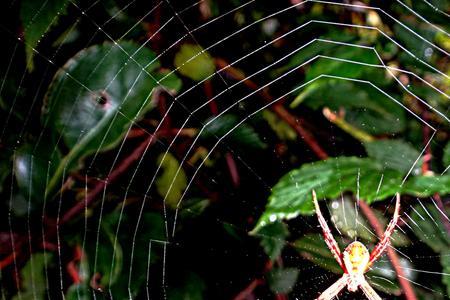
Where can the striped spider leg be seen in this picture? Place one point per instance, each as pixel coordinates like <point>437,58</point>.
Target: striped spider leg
<point>355,261</point>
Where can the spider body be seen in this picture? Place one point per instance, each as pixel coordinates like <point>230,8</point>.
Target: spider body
<point>356,260</point>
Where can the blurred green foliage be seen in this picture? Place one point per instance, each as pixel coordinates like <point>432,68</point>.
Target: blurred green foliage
<point>85,81</point>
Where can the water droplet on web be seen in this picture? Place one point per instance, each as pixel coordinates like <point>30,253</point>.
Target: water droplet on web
<point>273,218</point>
<point>335,204</point>
<point>428,52</point>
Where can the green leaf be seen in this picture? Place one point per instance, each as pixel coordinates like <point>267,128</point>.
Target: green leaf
<point>169,80</point>
<point>425,186</point>
<point>413,43</point>
<point>31,169</point>
<point>33,281</point>
<point>446,156</point>
<point>445,262</point>
<point>273,239</point>
<point>282,281</point>
<point>394,154</point>
<point>291,196</point>
<point>318,47</point>
<point>353,225</point>
<point>243,135</point>
<point>93,107</point>
<point>79,292</point>
<point>193,288</point>
<point>170,191</point>
<point>281,128</point>
<point>193,207</point>
<point>38,17</point>
<point>313,248</point>
<point>152,229</point>
<point>347,221</point>
<point>194,62</point>
<point>430,230</point>
<point>342,68</point>
<point>104,252</point>
<point>367,108</point>
<point>382,275</point>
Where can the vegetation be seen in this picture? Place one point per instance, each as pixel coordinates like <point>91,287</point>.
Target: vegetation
<point>169,149</point>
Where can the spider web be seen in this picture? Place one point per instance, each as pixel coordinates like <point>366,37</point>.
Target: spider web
<point>232,96</point>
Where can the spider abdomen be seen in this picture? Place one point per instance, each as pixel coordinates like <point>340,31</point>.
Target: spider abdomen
<point>356,258</point>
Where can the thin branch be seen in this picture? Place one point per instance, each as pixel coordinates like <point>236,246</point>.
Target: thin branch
<point>426,136</point>
<point>245,293</point>
<point>209,95</point>
<point>98,188</point>
<point>121,168</point>
<point>248,291</point>
<point>405,284</point>
<point>426,162</point>
<point>231,163</point>
<point>302,132</point>
<point>7,260</point>
<point>282,113</point>
<point>73,212</point>
<point>340,122</point>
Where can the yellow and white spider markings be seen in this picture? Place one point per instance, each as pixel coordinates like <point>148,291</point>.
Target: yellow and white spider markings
<point>355,261</point>
<point>356,256</point>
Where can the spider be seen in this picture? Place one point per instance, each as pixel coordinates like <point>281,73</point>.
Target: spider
<point>355,260</point>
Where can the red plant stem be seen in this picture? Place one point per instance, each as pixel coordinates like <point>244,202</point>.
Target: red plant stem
<point>405,284</point>
<point>98,188</point>
<point>73,272</point>
<point>209,94</point>
<point>7,260</point>
<point>232,167</point>
<point>153,35</point>
<point>249,289</point>
<point>302,132</point>
<point>426,137</point>
<point>136,133</point>
<point>292,121</point>
<point>426,167</point>
<point>49,246</point>
<point>95,192</point>
<point>121,168</point>
<point>315,147</point>
<point>162,107</point>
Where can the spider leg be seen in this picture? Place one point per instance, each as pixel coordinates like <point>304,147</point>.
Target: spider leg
<point>334,289</point>
<point>369,291</point>
<point>328,236</point>
<point>385,240</point>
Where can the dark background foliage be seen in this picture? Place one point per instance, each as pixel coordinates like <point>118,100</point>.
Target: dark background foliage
<point>168,149</point>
